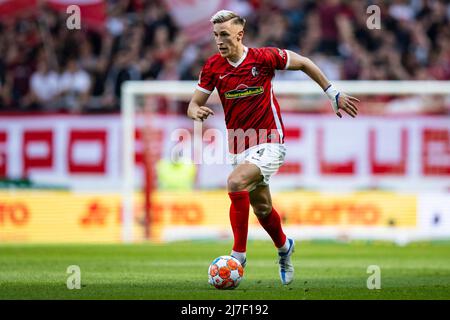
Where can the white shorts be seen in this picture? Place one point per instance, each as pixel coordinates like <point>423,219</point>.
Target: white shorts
<point>268,157</point>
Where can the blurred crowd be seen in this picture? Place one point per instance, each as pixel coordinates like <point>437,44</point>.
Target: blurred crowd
<point>46,67</point>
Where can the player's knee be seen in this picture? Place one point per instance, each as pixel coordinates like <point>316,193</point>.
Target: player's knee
<point>236,183</point>
<point>262,210</point>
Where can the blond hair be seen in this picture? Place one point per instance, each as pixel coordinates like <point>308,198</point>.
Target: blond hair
<point>227,15</point>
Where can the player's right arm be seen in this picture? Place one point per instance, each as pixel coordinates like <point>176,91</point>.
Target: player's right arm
<point>197,109</point>
<point>206,84</point>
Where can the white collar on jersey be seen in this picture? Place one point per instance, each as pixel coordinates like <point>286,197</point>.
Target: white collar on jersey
<point>236,64</point>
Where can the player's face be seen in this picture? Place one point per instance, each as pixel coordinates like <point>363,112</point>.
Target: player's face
<point>228,37</point>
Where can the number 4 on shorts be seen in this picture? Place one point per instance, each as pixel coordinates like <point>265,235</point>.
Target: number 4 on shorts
<point>260,152</point>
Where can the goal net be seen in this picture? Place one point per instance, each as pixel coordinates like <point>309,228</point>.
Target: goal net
<point>383,175</point>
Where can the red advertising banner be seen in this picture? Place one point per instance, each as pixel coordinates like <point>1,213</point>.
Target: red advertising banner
<point>11,8</point>
<point>323,152</point>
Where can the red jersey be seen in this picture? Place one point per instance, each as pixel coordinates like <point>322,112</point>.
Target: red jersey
<point>246,92</point>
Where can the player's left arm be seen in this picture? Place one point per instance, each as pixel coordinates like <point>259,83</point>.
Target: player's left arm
<point>339,100</point>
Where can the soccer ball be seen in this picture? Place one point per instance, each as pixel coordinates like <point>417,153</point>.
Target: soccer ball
<point>225,272</point>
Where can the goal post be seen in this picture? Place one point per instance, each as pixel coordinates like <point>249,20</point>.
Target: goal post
<point>131,90</point>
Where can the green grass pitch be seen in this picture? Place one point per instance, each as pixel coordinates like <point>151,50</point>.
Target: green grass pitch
<point>324,270</point>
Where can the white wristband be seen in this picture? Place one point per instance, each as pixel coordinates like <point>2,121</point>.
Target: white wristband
<point>333,95</point>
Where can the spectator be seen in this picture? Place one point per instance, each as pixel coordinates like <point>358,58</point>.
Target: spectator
<point>123,69</point>
<point>328,12</point>
<point>74,87</point>
<point>18,73</point>
<point>44,87</point>
<point>2,83</point>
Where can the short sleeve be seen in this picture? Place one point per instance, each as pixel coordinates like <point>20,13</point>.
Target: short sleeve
<point>206,81</point>
<point>277,58</point>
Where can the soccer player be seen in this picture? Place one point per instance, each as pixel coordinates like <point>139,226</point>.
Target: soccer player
<point>243,78</point>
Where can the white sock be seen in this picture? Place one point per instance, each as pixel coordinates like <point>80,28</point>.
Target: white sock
<point>285,247</point>
<point>239,255</point>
